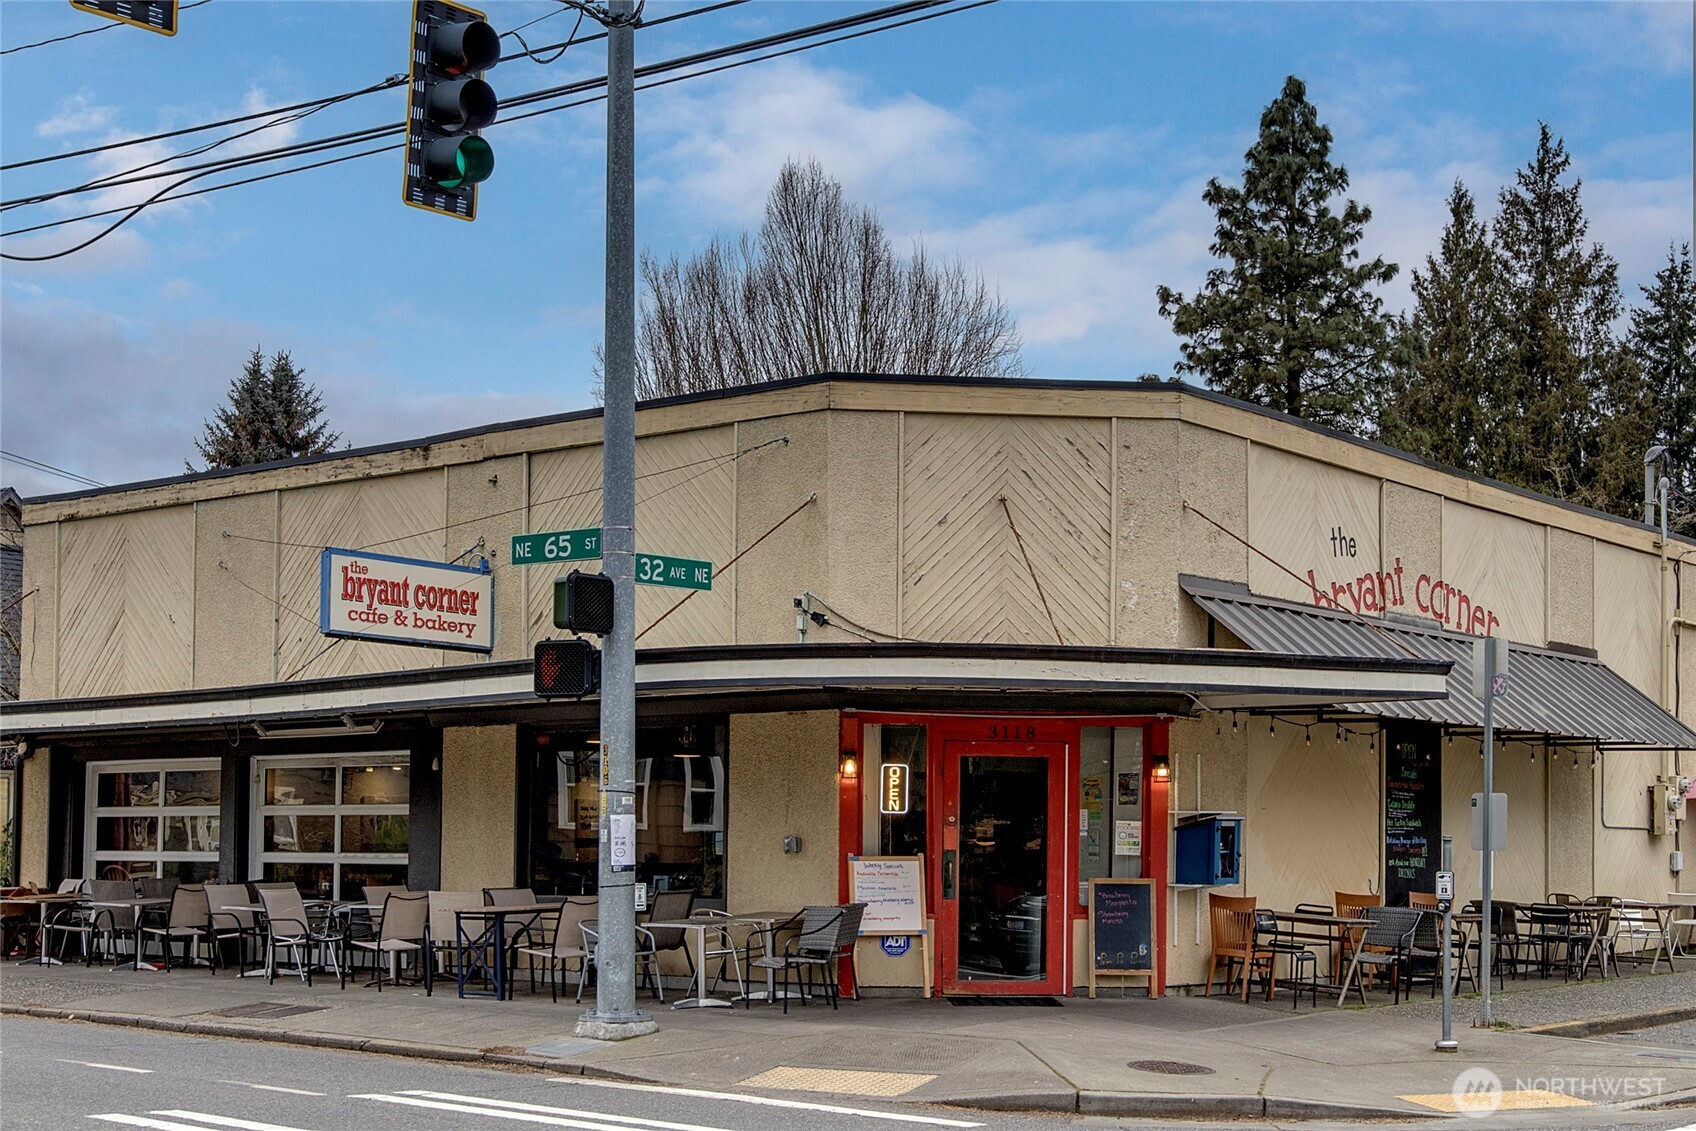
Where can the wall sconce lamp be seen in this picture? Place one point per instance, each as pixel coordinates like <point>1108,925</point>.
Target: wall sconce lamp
<point>1161,767</point>
<point>848,768</point>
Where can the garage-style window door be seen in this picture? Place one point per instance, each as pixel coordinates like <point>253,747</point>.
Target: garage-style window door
<point>153,819</point>
<point>332,824</point>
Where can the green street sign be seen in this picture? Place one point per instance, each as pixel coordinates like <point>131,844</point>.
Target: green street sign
<point>679,573</point>
<point>558,546</point>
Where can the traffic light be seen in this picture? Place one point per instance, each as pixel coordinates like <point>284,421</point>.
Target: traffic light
<point>583,602</point>
<point>447,103</point>
<point>567,667</point>
<point>154,15</point>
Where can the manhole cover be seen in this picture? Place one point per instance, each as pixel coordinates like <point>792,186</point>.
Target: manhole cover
<point>1171,1067</point>
<point>265,1009</point>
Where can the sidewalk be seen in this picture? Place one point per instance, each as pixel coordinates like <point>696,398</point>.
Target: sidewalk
<point>1222,1059</point>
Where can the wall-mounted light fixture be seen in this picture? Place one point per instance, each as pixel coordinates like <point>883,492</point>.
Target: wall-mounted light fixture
<point>848,766</point>
<point>1161,767</point>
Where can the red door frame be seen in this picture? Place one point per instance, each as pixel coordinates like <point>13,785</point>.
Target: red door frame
<point>978,727</point>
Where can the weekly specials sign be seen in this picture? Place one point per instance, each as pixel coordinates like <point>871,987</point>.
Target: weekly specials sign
<point>407,601</point>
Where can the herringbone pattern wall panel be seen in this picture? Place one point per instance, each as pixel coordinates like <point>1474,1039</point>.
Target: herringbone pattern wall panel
<point>126,603</point>
<point>685,507</point>
<point>962,576</point>
<point>401,515</point>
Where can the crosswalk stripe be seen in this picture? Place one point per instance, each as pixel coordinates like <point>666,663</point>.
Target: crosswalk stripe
<point>496,1112</point>
<point>225,1121</point>
<point>108,1067</point>
<point>271,1088</point>
<point>514,1105</point>
<point>766,1101</point>
<point>142,1121</point>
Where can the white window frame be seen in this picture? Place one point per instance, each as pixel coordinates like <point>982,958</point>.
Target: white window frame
<point>644,768</point>
<point>714,763</point>
<point>94,858</point>
<point>258,810</point>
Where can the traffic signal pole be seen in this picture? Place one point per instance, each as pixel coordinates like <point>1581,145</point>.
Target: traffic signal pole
<point>615,1016</point>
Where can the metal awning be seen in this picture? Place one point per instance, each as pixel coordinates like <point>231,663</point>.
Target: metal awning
<point>1550,694</point>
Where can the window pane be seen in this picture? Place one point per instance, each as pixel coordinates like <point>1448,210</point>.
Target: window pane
<point>385,833</point>
<point>127,834</point>
<point>904,833</point>
<point>125,869</point>
<point>191,834</point>
<point>376,785</point>
<point>355,877</point>
<point>128,789</point>
<point>191,787</point>
<point>300,834</point>
<point>316,881</point>
<point>300,785</point>
<point>192,871</point>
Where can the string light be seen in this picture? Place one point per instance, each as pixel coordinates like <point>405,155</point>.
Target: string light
<point>1307,736</point>
<point>1233,722</point>
<point>1272,726</point>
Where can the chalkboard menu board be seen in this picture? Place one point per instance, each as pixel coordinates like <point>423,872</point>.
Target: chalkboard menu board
<point>1413,811</point>
<point>1121,929</point>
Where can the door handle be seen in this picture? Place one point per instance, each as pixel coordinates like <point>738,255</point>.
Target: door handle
<point>948,855</point>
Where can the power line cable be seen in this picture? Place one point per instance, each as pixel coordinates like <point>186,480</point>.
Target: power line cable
<point>555,57</point>
<point>368,134</point>
<point>86,31</point>
<point>37,465</point>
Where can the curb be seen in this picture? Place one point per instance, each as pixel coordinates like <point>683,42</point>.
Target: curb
<point>1619,1023</point>
<point>1196,1107</point>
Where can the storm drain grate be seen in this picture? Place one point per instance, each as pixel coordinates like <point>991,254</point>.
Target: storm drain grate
<point>1171,1067</point>
<point>1049,1002</point>
<point>265,1009</point>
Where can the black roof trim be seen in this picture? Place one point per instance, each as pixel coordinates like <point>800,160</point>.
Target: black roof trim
<point>864,378</point>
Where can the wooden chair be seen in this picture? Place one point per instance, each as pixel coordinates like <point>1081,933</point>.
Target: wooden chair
<point>1423,900</point>
<point>1232,920</point>
<point>1351,905</point>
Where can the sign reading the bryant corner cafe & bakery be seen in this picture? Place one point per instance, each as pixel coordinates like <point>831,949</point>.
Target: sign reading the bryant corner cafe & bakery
<point>407,601</point>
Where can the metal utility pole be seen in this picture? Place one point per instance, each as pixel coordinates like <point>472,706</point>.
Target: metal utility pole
<point>615,1016</point>
<point>1486,833</point>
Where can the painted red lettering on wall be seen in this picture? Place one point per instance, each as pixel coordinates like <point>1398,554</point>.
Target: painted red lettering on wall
<point>1379,592</point>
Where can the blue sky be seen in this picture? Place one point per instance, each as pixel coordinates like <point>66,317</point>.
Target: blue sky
<point>1060,148</point>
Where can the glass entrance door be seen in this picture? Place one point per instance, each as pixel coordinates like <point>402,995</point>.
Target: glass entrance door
<point>1003,918</point>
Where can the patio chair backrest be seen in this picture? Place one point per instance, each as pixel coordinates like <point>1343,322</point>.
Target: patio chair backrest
<point>1231,918</point>
<point>405,915</point>
<point>1424,900</point>
<point>1390,927</point>
<point>508,897</point>
<point>70,887</point>
<point>1315,909</point>
<point>121,918</point>
<point>1563,898</point>
<point>848,927</point>
<point>1504,918</point>
<point>1427,932</point>
<point>442,906</point>
<point>669,905</point>
<point>818,930</point>
<point>154,887</point>
<point>1350,905</point>
<point>376,894</point>
<point>220,896</point>
<point>189,907</point>
<point>573,913</point>
<point>284,908</point>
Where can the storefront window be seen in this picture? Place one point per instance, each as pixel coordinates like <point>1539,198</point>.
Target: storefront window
<point>154,819</point>
<point>903,834</point>
<point>680,784</point>
<point>333,824</point>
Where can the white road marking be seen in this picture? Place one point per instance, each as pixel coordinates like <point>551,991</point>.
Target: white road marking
<point>499,1113</point>
<point>156,1124</point>
<point>766,1101</point>
<point>514,1105</point>
<point>225,1121</point>
<point>271,1088</point>
<point>96,1064</point>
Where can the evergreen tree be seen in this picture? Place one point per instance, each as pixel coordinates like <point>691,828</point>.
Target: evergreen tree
<point>1572,398</point>
<point>272,414</point>
<point>1663,342</point>
<point>1291,322</point>
<point>1444,399</point>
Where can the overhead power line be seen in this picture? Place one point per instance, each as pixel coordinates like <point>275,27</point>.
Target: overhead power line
<point>940,7</point>
<point>85,31</point>
<point>38,465</point>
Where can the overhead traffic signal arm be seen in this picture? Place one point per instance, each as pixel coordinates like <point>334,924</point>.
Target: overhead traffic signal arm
<point>447,103</point>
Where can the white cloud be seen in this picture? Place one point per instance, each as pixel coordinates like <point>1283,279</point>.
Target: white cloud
<point>78,114</point>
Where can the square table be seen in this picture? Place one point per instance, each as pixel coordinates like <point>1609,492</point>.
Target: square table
<point>492,934</point>
<point>139,904</point>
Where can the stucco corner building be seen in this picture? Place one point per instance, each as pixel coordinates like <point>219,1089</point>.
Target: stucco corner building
<point>1080,620</point>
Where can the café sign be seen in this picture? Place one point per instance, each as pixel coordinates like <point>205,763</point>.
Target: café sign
<point>407,601</point>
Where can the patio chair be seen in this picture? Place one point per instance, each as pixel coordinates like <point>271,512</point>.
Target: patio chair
<point>1384,945</point>
<point>567,946</point>
<point>521,929</point>
<point>1268,938</point>
<point>67,921</point>
<point>1423,900</point>
<point>156,887</point>
<point>664,906</point>
<point>444,941</point>
<point>1232,920</point>
<point>239,926</point>
<point>108,925</point>
<point>1352,905</point>
<point>1549,930</point>
<point>1592,931</point>
<point>406,918</point>
<point>645,955</point>
<point>288,927</point>
<point>810,943</point>
<point>1506,942</point>
<point>190,920</point>
<point>374,896</point>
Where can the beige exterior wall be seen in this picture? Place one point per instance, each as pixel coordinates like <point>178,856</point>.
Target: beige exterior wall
<point>38,651</point>
<point>479,815</point>
<point>34,773</point>
<point>783,770</point>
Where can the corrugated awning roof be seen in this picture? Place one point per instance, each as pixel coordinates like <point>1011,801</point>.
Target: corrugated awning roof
<point>1549,693</point>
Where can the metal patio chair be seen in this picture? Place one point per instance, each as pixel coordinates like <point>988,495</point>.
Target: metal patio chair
<point>406,923</point>
<point>1384,945</point>
<point>190,921</point>
<point>289,928</point>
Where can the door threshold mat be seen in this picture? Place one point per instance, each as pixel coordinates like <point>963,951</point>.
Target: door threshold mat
<point>1014,999</point>
<point>265,1010</point>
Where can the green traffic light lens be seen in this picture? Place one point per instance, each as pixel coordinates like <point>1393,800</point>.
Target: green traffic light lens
<point>453,162</point>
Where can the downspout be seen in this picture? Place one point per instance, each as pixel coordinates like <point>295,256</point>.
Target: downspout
<point>1669,674</point>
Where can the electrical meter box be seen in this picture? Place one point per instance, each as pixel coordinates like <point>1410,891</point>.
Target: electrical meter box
<point>1209,851</point>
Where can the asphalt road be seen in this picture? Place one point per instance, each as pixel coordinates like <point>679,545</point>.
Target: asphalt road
<point>64,1075</point>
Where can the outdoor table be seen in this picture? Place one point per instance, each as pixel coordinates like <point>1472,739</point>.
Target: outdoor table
<point>493,936</point>
<point>700,925</point>
<point>1685,902</point>
<point>43,900</point>
<point>1663,913</point>
<point>140,905</point>
<point>765,921</point>
<point>1336,930</point>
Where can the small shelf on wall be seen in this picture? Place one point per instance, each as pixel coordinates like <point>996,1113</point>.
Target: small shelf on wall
<point>1183,815</point>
